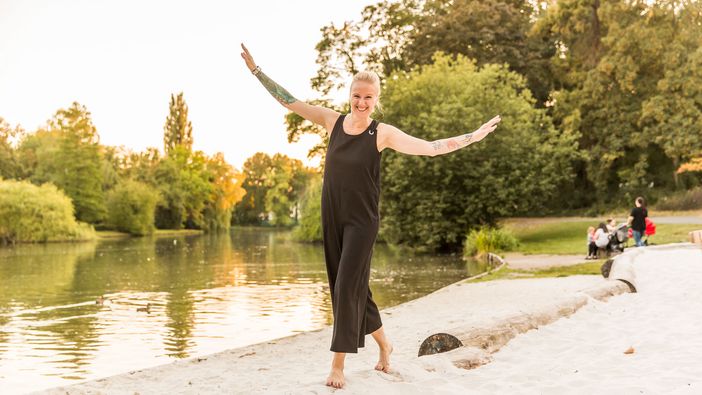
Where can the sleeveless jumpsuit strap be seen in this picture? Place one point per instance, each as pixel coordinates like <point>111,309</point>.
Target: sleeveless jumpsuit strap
<point>373,127</point>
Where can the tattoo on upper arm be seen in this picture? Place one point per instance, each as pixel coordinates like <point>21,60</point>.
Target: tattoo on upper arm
<point>280,94</point>
<point>437,145</point>
<point>452,145</point>
<point>467,138</point>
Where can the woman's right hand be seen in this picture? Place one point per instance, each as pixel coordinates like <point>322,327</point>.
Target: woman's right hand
<point>248,58</point>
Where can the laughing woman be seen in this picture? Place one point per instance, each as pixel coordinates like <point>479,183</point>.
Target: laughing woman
<point>350,197</point>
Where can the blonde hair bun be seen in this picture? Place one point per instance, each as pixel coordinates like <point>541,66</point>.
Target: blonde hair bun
<point>367,76</point>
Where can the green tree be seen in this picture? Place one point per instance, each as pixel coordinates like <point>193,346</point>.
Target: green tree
<point>274,186</point>
<point>9,161</point>
<point>637,53</point>
<point>79,161</point>
<point>310,224</point>
<point>35,148</point>
<point>141,166</point>
<point>399,35</point>
<point>285,180</point>
<point>492,31</point>
<point>672,116</point>
<point>574,29</point>
<point>402,34</point>
<point>375,42</point>
<point>111,166</point>
<point>252,208</point>
<point>178,130</point>
<point>131,206</point>
<point>185,188</point>
<point>431,203</point>
<point>67,153</point>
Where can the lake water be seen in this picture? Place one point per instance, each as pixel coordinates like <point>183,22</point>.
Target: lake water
<point>206,293</point>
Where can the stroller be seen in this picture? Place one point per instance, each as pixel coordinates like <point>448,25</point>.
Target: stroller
<point>618,238</point>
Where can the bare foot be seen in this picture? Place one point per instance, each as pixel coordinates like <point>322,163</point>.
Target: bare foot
<point>336,378</point>
<point>384,359</point>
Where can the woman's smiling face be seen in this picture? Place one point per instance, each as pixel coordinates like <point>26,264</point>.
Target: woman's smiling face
<point>364,97</point>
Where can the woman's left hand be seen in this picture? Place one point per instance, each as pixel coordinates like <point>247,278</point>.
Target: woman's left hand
<point>487,128</point>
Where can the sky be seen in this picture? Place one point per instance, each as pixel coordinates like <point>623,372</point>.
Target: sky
<point>123,59</point>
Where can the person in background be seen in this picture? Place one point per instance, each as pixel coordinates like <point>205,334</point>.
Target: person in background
<point>611,225</point>
<point>601,237</point>
<point>591,246</point>
<point>637,220</point>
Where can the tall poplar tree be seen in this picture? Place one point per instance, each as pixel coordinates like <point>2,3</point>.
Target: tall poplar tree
<point>178,130</point>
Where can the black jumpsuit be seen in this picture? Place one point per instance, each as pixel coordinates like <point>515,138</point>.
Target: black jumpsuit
<point>350,196</point>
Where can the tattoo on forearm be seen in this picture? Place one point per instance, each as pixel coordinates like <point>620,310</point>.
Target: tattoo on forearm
<point>280,94</point>
<point>467,138</point>
<point>450,144</point>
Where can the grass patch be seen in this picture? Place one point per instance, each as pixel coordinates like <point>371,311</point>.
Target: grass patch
<point>506,273</point>
<point>563,236</point>
<point>559,238</point>
<point>568,237</point>
<point>673,233</point>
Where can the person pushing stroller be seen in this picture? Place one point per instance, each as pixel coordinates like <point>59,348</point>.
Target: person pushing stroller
<point>607,236</point>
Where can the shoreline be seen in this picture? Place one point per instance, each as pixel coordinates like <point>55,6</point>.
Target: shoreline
<point>508,307</point>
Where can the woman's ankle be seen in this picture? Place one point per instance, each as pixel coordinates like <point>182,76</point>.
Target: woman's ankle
<point>338,361</point>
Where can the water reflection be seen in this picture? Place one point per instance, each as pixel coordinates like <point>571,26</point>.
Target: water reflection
<point>206,293</point>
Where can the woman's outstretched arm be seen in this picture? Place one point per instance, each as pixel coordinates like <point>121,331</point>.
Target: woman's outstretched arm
<point>319,115</point>
<point>398,140</point>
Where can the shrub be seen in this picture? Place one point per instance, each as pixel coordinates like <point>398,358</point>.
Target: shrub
<point>688,200</point>
<point>131,206</point>
<point>428,203</point>
<point>310,228</point>
<point>30,213</point>
<point>484,240</point>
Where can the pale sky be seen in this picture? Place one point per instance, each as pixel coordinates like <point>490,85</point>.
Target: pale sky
<point>122,59</point>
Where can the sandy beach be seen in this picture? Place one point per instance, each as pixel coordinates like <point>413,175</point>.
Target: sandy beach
<point>578,343</point>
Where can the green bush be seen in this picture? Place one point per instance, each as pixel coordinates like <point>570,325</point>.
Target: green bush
<point>310,228</point>
<point>688,200</point>
<point>484,240</point>
<point>428,203</point>
<point>131,206</point>
<point>30,213</point>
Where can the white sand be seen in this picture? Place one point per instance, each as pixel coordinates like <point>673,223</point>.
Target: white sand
<point>580,354</point>
<point>585,353</point>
